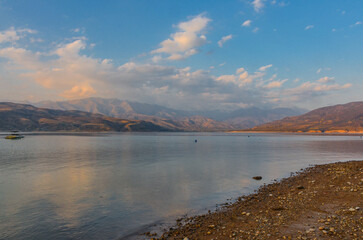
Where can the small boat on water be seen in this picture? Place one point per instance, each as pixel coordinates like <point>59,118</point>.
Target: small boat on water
<point>14,136</point>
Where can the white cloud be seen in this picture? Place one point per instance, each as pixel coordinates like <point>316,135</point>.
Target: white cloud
<point>240,70</point>
<point>313,89</point>
<point>227,78</point>
<point>186,40</point>
<point>246,23</point>
<point>275,84</point>
<point>318,71</point>
<point>356,24</point>
<point>156,58</point>
<point>13,35</point>
<point>264,68</point>
<point>258,5</point>
<point>69,72</point>
<point>326,80</point>
<point>309,27</point>
<point>255,30</point>
<point>224,39</point>
<point>79,91</point>
<point>66,72</point>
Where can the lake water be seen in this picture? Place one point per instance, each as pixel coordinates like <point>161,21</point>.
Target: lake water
<point>111,186</point>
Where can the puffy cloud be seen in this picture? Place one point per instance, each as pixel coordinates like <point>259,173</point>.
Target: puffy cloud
<point>326,80</point>
<point>64,68</point>
<point>246,23</point>
<point>258,5</point>
<point>241,79</point>
<point>185,42</point>
<point>20,58</point>
<point>83,90</point>
<point>240,70</point>
<point>12,34</point>
<point>66,72</point>
<point>224,39</point>
<point>309,27</point>
<point>227,78</point>
<point>275,84</point>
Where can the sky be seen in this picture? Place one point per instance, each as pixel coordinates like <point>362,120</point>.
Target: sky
<point>188,54</point>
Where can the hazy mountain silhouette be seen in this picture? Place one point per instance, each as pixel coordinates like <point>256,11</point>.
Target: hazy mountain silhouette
<point>168,117</point>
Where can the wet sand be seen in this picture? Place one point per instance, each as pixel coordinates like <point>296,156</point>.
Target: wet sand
<point>320,202</point>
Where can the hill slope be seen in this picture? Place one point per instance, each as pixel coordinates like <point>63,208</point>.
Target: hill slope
<point>339,118</point>
<point>25,117</point>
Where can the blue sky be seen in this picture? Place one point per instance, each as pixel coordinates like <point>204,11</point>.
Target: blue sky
<point>183,54</point>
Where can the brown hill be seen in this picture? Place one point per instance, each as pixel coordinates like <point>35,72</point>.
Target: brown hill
<point>339,118</point>
<point>25,117</point>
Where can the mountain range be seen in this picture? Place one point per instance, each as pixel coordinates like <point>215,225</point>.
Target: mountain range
<point>24,117</point>
<point>175,119</point>
<point>343,118</point>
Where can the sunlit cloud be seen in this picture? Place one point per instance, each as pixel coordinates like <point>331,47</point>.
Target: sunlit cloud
<point>326,80</point>
<point>224,39</point>
<point>275,84</point>
<point>258,5</point>
<point>12,34</point>
<point>264,68</point>
<point>66,72</point>
<point>246,23</point>
<point>186,40</point>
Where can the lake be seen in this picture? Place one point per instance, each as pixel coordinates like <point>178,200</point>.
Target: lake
<point>112,186</point>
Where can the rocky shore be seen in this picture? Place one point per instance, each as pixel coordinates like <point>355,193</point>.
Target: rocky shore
<point>320,202</point>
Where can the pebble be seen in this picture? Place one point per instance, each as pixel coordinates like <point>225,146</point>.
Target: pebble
<point>334,223</point>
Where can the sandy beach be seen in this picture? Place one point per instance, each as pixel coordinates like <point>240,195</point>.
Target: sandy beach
<point>320,202</point>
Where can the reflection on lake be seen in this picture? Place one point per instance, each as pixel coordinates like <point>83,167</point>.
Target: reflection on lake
<point>108,186</point>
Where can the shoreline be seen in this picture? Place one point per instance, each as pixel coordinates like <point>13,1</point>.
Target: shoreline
<point>319,202</point>
<point>301,133</point>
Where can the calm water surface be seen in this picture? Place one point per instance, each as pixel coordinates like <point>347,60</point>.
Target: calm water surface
<point>110,186</point>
